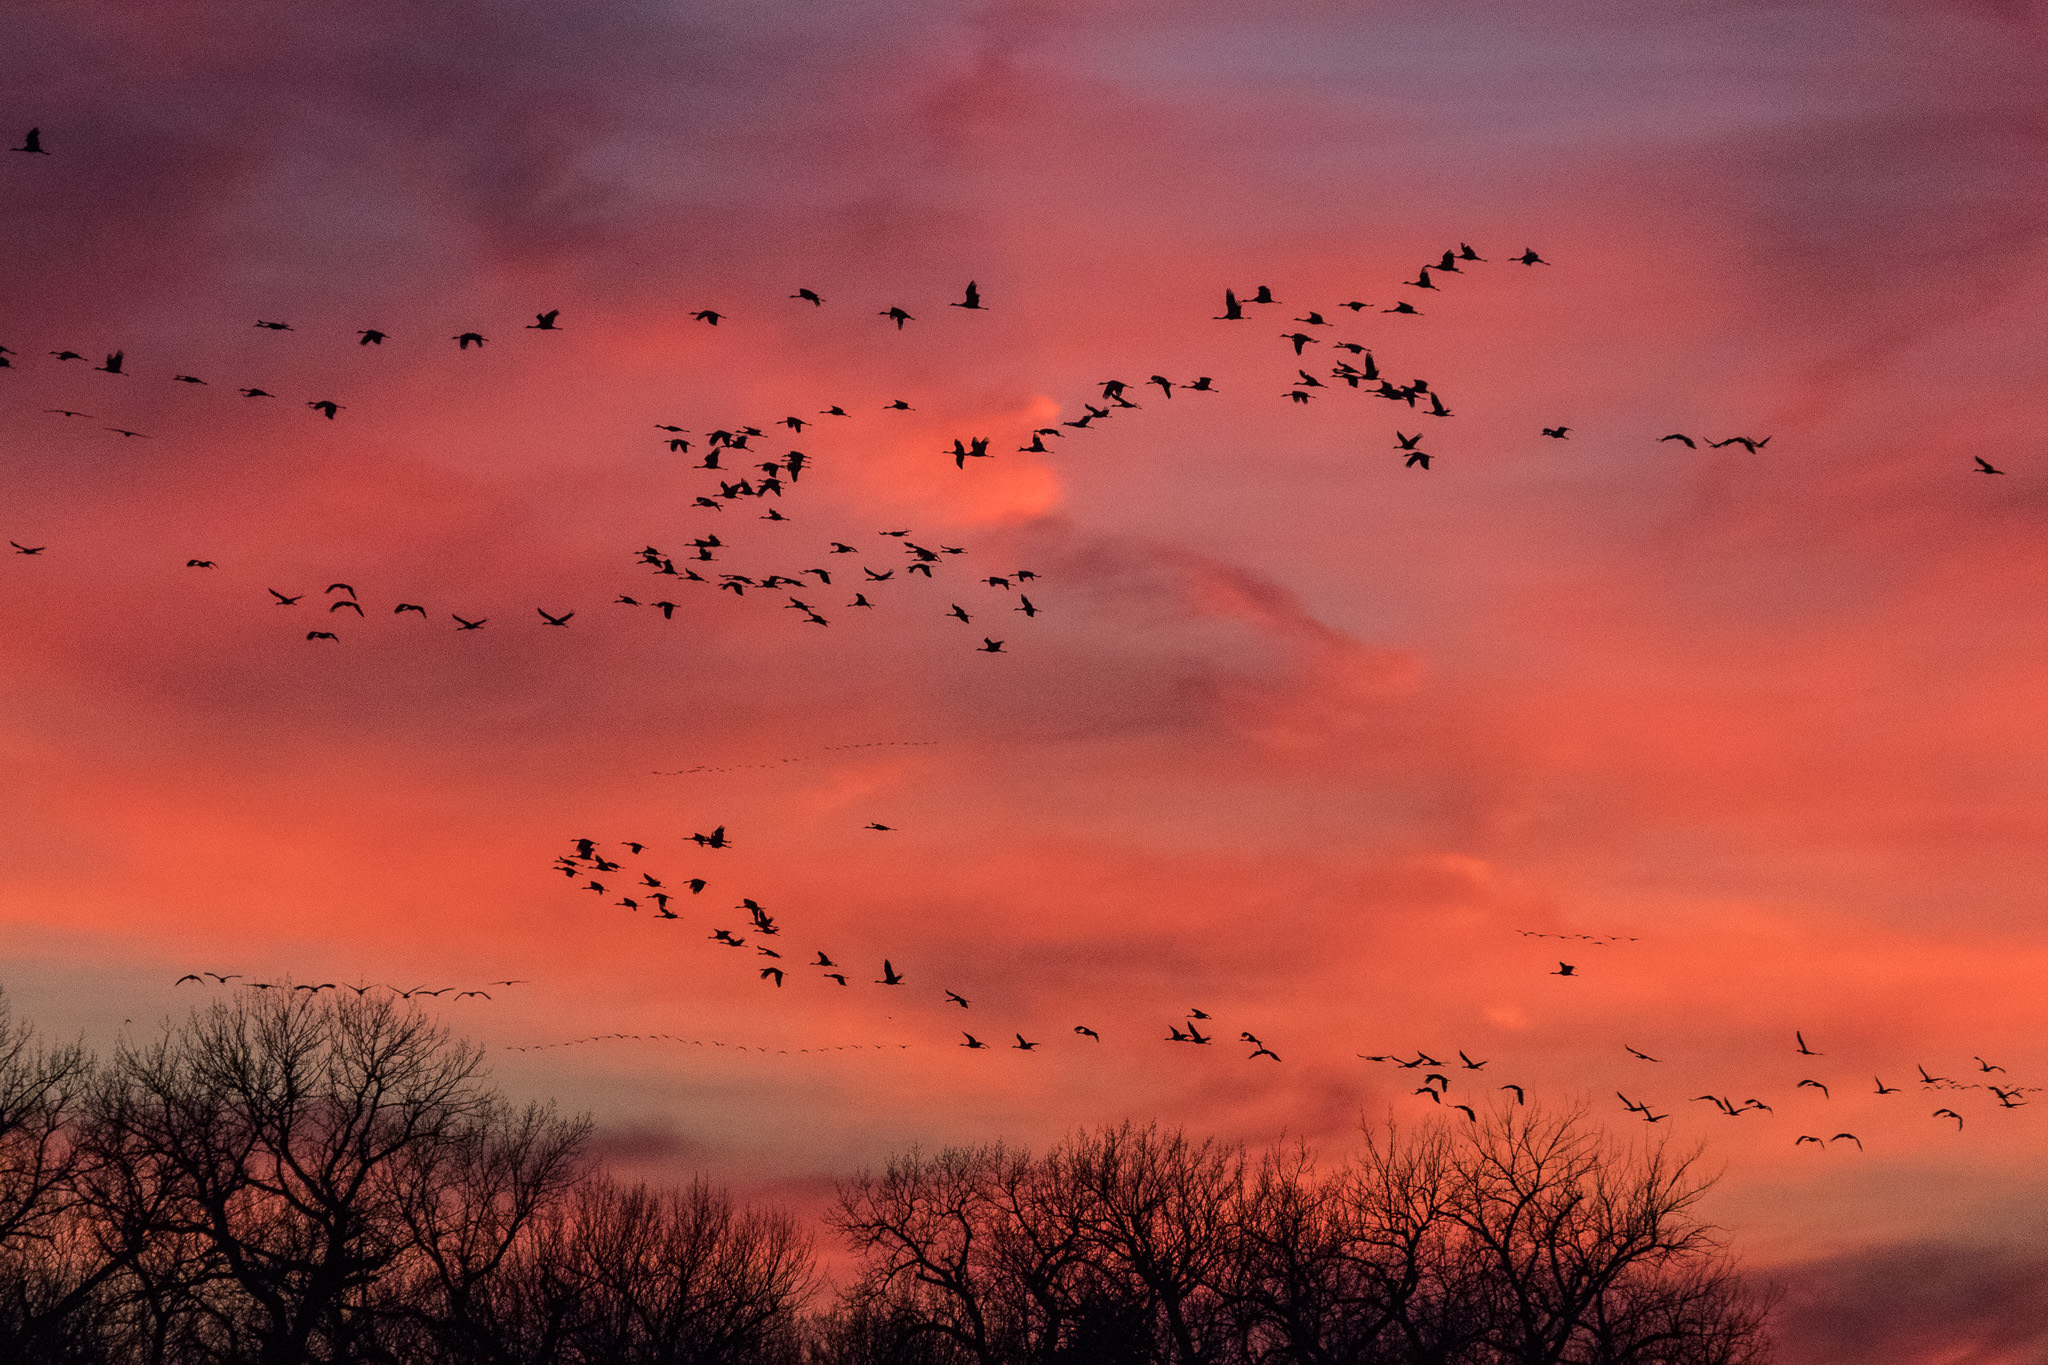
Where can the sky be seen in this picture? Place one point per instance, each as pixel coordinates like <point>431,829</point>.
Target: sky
<point>1299,735</point>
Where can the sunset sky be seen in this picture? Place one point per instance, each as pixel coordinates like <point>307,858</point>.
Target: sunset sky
<point>1300,736</point>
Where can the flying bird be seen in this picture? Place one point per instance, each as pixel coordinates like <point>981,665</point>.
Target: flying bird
<point>545,322</point>
<point>32,141</point>
<point>972,300</point>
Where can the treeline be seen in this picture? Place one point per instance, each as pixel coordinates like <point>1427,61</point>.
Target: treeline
<point>286,1179</point>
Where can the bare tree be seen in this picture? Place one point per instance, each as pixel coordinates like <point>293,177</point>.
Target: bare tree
<point>52,1269</point>
<point>276,1144</point>
<point>471,1198</point>
<point>633,1276</point>
<point>1158,1214</point>
<point>1521,1240</point>
<point>1591,1249</point>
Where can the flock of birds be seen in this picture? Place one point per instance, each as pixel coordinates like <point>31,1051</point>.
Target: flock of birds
<point>751,465</point>
<point>1436,1088</point>
<point>638,889</point>
<point>314,988</point>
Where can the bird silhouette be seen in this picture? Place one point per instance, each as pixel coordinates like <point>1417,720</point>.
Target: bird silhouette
<point>561,620</point>
<point>897,316</point>
<point>1233,311</point>
<point>890,977</point>
<point>326,407</point>
<point>32,141</point>
<point>1984,466</point>
<point>113,365</point>
<point>1565,969</point>
<point>1804,1050</point>
<point>371,337</point>
<point>972,299</point>
<point>1087,1032</point>
<point>545,322</point>
<point>808,296</point>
